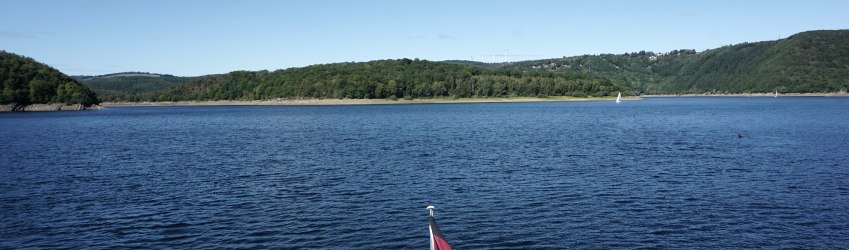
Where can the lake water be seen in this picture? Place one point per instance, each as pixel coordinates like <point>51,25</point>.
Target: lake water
<point>656,173</point>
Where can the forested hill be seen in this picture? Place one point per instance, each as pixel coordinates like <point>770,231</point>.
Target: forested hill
<point>813,61</point>
<point>130,86</point>
<point>26,81</point>
<point>403,78</point>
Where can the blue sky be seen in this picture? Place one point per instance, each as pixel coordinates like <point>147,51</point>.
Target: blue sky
<point>189,38</point>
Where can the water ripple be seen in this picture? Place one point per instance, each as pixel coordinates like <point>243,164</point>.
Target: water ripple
<point>662,173</point>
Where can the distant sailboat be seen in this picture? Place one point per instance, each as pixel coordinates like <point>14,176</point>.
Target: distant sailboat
<point>776,94</point>
<point>619,98</point>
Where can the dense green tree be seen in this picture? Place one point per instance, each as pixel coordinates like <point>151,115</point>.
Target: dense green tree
<point>813,61</point>
<point>41,91</point>
<point>391,79</point>
<point>26,81</point>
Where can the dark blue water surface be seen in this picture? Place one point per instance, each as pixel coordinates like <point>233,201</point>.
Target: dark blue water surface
<point>656,173</point>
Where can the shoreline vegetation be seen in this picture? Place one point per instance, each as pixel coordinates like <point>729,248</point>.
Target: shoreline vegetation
<point>804,64</point>
<point>319,102</point>
<point>322,102</point>
<point>281,101</point>
<point>830,94</point>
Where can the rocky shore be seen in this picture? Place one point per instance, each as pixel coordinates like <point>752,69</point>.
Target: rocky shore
<point>14,107</point>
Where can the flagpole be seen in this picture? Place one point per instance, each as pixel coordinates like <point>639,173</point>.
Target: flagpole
<point>430,210</point>
<point>437,239</point>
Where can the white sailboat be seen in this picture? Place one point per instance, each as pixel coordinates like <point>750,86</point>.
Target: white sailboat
<point>776,94</point>
<point>619,97</point>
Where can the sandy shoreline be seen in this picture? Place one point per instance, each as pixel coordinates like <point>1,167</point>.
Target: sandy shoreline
<point>281,101</point>
<point>756,95</point>
<point>358,101</point>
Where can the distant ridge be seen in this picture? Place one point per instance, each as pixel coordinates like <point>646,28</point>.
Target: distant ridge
<point>120,74</point>
<point>130,86</point>
<point>807,62</point>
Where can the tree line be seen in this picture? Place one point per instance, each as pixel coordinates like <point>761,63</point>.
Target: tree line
<point>808,62</point>
<point>25,81</point>
<point>386,79</point>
